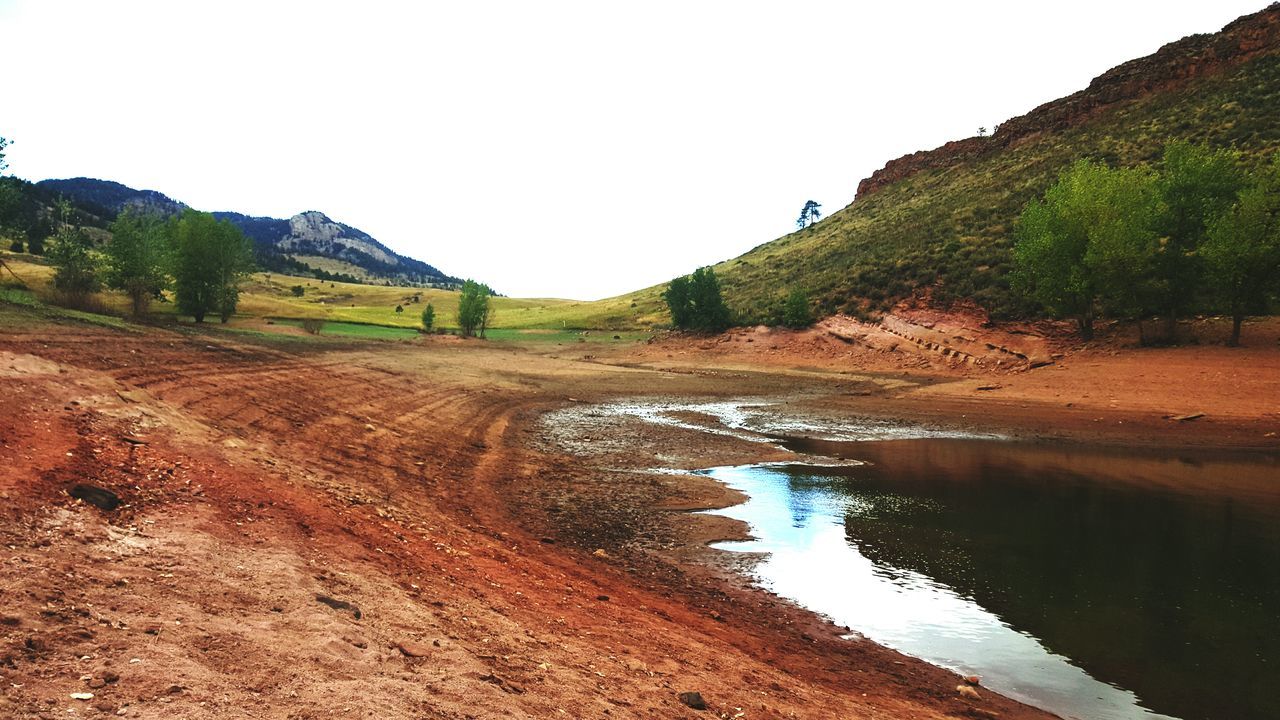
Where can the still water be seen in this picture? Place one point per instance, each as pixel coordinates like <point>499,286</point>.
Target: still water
<point>1098,584</point>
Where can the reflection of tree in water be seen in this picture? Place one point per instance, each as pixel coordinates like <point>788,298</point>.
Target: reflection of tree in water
<point>1172,596</point>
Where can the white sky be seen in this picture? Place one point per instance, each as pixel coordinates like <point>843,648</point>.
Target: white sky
<point>571,149</point>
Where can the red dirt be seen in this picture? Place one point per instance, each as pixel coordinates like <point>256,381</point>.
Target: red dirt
<point>385,530</point>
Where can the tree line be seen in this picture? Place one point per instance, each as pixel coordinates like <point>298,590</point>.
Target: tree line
<point>202,260</point>
<point>1199,233</point>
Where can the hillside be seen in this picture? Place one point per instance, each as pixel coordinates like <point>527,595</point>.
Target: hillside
<point>942,220</point>
<point>282,244</point>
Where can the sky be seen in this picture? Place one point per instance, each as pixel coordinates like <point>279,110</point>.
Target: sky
<point>550,149</point>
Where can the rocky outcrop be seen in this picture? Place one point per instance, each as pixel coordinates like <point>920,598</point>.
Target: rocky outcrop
<point>313,229</point>
<point>1170,67</point>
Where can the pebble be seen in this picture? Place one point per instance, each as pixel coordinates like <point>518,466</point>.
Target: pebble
<point>693,700</point>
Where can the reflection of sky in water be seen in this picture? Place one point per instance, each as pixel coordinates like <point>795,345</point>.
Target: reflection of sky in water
<point>810,560</point>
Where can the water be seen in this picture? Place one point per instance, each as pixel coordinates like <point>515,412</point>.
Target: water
<point>1099,584</point>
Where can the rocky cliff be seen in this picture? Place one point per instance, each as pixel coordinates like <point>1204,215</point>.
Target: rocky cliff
<point>1172,65</point>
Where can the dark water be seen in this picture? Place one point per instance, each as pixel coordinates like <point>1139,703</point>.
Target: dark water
<point>1093,583</point>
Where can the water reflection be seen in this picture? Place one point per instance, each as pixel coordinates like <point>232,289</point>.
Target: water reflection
<point>1096,584</point>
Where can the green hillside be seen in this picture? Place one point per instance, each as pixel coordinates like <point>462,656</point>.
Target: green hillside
<point>950,228</point>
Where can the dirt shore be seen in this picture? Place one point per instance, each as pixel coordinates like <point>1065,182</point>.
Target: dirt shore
<point>393,530</point>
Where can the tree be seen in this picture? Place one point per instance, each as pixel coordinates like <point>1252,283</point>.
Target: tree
<point>75,274</point>
<point>473,308</point>
<point>137,256</point>
<point>1089,238</point>
<point>428,317</point>
<point>210,258</point>
<point>1197,185</point>
<point>298,291</point>
<point>796,312</point>
<point>811,214</point>
<point>3,144</point>
<point>696,302</point>
<point>679,302</point>
<point>1242,251</point>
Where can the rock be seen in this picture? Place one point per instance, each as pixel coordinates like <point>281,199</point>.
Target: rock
<point>693,700</point>
<point>100,498</point>
<point>989,387</point>
<point>111,677</point>
<point>1185,418</point>
<point>967,692</point>
<point>600,553</point>
<point>973,679</point>
<point>602,598</point>
<point>414,649</point>
<point>339,605</point>
<point>82,696</point>
<point>96,683</point>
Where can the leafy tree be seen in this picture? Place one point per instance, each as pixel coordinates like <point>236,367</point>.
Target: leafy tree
<point>679,301</point>
<point>1197,185</point>
<point>811,214</point>
<point>474,312</point>
<point>75,272</point>
<point>1088,238</point>
<point>428,317</point>
<point>298,291</point>
<point>399,309</point>
<point>3,144</point>
<point>210,258</point>
<point>137,256</point>
<point>1242,250</point>
<point>796,312</point>
<point>696,302</point>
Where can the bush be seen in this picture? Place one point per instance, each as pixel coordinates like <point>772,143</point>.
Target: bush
<point>696,303</point>
<point>298,290</point>
<point>313,326</point>
<point>796,312</point>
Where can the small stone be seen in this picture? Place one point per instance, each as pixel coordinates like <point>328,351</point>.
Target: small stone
<point>600,553</point>
<point>413,649</point>
<point>602,598</point>
<point>111,677</point>
<point>967,692</point>
<point>973,679</point>
<point>693,700</point>
<point>96,683</point>
<point>81,696</point>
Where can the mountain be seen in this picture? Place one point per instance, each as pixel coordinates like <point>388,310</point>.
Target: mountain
<point>309,242</point>
<point>940,222</point>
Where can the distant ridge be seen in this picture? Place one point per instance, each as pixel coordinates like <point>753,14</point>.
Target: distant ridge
<point>298,244</point>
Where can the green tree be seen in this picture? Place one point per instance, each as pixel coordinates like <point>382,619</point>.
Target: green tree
<point>696,302</point>
<point>474,311</point>
<point>75,274</point>
<point>810,214</point>
<point>428,317</point>
<point>297,291</point>
<point>1089,238</point>
<point>210,258</point>
<point>796,312</point>
<point>1242,250</point>
<point>679,302</point>
<point>3,144</point>
<point>137,257</point>
<point>1197,185</point>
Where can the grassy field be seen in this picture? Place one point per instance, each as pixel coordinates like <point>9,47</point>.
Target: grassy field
<point>369,311</point>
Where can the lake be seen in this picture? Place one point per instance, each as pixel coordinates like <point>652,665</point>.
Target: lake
<point>1095,583</point>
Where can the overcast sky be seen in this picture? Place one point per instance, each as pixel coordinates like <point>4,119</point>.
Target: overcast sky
<point>568,149</point>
